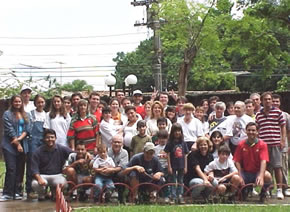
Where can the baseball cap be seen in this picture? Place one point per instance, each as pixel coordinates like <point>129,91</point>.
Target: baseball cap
<point>24,88</point>
<point>136,92</point>
<point>149,146</point>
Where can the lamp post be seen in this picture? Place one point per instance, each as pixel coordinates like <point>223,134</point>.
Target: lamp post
<point>129,81</point>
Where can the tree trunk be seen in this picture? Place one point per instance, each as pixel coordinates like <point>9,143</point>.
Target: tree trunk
<point>184,69</point>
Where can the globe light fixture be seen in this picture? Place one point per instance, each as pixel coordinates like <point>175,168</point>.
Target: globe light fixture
<point>110,81</point>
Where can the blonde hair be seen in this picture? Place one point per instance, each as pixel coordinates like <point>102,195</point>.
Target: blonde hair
<point>201,139</point>
<point>188,106</point>
<point>162,109</point>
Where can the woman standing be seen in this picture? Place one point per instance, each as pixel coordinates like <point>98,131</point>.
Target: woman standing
<point>83,127</point>
<point>157,111</point>
<point>14,146</point>
<point>115,113</point>
<point>58,120</point>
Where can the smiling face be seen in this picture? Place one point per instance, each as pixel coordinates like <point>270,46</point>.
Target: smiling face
<point>26,95</point>
<point>239,110</point>
<point>75,100</point>
<point>219,111</point>
<point>252,132</point>
<point>267,101</point>
<point>49,140</point>
<point>94,101</point>
<point>83,108</point>
<point>203,147</point>
<point>17,103</point>
<point>117,144</point>
<point>40,104</point>
<point>163,99</point>
<point>217,139</point>
<point>114,105</point>
<point>57,103</point>
<point>81,151</point>
<point>131,114</point>
<point>157,110</point>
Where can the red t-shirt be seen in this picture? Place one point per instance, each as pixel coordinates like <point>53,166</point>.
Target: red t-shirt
<point>250,157</point>
<point>141,110</point>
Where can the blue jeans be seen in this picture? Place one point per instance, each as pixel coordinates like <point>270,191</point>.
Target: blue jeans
<point>102,181</point>
<point>176,177</point>
<point>13,176</point>
<point>199,189</point>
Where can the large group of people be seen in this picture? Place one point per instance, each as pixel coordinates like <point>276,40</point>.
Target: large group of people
<point>213,147</point>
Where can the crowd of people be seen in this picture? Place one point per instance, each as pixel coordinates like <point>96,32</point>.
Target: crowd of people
<point>214,147</point>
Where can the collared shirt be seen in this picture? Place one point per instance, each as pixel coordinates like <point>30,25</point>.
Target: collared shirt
<point>49,162</point>
<point>121,159</point>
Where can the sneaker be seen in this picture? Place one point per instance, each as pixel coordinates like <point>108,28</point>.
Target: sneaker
<point>263,197</point>
<point>18,197</point>
<point>5,197</point>
<point>181,200</point>
<point>32,195</point>
<point>166,200</point>
<point>287,192</point>
<point>254,193</point>
<point>280,194</point>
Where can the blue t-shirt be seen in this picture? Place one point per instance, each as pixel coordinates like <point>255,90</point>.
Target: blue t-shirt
<point>177,154</point>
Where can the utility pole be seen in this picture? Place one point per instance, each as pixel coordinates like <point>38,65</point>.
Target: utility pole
<point>153,23</point>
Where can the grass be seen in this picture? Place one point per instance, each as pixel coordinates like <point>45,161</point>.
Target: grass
<point>189,208</point>
<point>2,173</point>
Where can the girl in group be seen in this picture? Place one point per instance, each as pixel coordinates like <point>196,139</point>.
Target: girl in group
<point>170,113</point>
<point>115,113</point>
<point>67,104</point>
<point>177,151</point>
<point>197,161</point>
<point>58,119</point>
<point>205,105</point>
<point>14,146</point>
<point>157,111</point>
<point>147,107</point>
<point>36,138</point>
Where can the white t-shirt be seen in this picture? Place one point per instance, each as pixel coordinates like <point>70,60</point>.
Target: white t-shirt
<point>130,131</point>
<point>29,107</point>
<point>39,116</point>
<point>103,163</point>
<point>191,130</point>
<point>216,166</point>
<point>161,155</point>
<point>108,130</point>
<point>60,125</point>
<point>238,128</point>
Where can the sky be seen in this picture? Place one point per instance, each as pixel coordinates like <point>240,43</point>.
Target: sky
<point>68,39</point>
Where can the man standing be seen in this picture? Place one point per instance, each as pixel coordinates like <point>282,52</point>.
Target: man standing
<point>277,103</point>
<point>137,99</point>
<point>257,102</point>
<point>251,157</point>
<point>272,130</point>
<point>47,164</point>
<point>250,108</point>
<point>26,95</point>
<point>238,124</point>
<point>94,100</point>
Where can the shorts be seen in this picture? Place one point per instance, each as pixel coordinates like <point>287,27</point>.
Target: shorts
<point>249,177</point>
<point>275,157</point>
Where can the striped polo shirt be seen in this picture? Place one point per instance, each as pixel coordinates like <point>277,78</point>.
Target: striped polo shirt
<point>270,126</point>
<point>85,130</point>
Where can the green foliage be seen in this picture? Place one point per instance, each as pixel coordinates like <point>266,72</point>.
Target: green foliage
<point>139,63</point>
<point>77,86</point>
<point>283,84</point>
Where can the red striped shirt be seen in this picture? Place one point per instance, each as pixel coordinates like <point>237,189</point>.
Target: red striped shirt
<point>270,126</point>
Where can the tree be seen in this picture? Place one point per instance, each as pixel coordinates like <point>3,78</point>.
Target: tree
<point>77,86</point>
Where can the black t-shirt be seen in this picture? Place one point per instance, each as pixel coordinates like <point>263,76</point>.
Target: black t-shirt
<point>177,154</point>
<point>194,159</point>
<point>151,167</point>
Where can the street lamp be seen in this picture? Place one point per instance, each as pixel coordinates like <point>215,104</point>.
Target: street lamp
<point>129,81</point>
<point>110,81</point>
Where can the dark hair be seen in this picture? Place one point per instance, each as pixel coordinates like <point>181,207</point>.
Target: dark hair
<point>215,134</point>
<point>176,127</point>
<point>252,124</point>
<point>67,98</point>
<point>265,94</point>
<point>38,96</point>
<point>276,96</point>
<point>249,101</point>
<point>80,142</point>
<point>94,93</point>
<point>106,110</point>
<point>129,107</point>
<point>224,149</point>
<point>49,131</point>
<point>103,103</point>
<point>124,99</point>
<point>212,98</point>
<point>141,123</point>
<point>76,94</point>
<point>173,110</point>
<point>162,119</point>
<point>182,98</point>
<point>21,109</point>
<point>114,99</point>
<point>62,112</point>
<point>162,134</point>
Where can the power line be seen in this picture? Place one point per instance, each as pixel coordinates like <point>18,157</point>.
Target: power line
<point>68,45</point>
<point>50,55</point>
<point>77,37</point>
